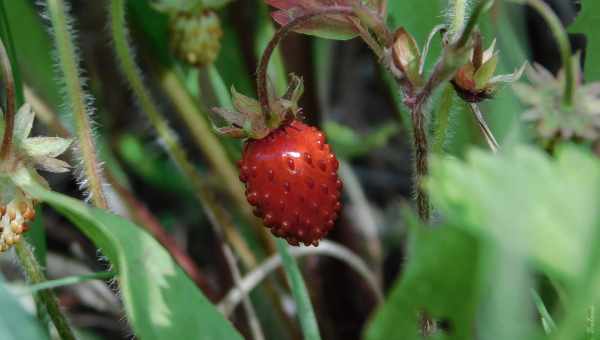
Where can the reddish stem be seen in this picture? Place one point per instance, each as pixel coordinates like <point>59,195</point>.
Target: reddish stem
<point>9,115</point>
<point>261,79</point>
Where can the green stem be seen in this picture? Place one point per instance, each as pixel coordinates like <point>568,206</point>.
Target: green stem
<point>305,311</point>
<point>77,99</point>
<point>564,46</point>
<point>9,114</point>
<point>216,215</point>
<point>66,281</point>
<point>35,275</point>
<point>458,17</point>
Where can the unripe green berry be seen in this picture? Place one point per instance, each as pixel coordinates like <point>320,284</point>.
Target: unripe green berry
<point>195,37</point>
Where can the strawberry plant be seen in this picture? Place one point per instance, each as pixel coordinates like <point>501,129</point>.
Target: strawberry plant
<point>299,169</point>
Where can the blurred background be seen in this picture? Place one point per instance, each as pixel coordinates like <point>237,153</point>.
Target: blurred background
<point>346,93</point>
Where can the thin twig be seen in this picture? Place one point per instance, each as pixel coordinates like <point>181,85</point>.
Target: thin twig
<point>9,112</point>
<point>35,275</point>
<point>485,130</point>
<point>326,248</point>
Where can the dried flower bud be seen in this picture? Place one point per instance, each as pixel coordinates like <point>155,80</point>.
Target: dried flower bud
<point>475,81</point>
<point>196,36</point>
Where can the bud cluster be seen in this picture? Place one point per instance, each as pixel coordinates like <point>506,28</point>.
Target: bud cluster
<point>13,220</point>
<point>196,36</point>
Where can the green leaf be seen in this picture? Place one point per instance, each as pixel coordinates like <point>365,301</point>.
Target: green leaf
<point>348,144</point>
<point>440,279</point>
<point>308,321</point>
<point>526,203</point>
<point>16,323</point>
<point>160,300</point>
<point>46,146</point>
<point>588,22</point>
<point>485,72</point>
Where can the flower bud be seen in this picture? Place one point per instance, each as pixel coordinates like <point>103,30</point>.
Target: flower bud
<point>476,80</point>
<point>406,56</point>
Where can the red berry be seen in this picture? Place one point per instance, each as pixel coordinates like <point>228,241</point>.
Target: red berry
<point>291,180</point>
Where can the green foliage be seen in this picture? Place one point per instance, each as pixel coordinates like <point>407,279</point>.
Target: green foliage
<point>441,281</point>
<point>524,202</point>
<point>16,323</point>
<point>160,300</point>
<point>348,144</point>
<point>588,22</point>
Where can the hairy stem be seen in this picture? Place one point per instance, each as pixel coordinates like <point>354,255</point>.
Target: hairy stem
<point>35,275</point>
<point>457,17</point>
<point>9,112</point>
<point>77,100</point>
<point>564,46</point>
<point>216,215</point>
<point>421,161</point>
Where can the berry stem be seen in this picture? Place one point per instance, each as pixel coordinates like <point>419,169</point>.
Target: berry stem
<point>35,275</point>
<point>9,113</point>
<point>77,100</point>
<point>261,79</point>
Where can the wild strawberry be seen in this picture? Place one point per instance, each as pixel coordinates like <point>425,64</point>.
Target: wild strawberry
<point>289,171</point>
<point>291,180</point>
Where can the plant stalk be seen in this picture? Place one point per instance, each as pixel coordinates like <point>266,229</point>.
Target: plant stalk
<point>261,78</point>
<point>77,99</point>
<point>9,112</point>
<point>35,275</point>
<point>458,17</point>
